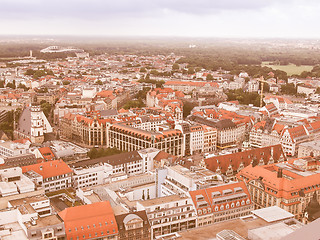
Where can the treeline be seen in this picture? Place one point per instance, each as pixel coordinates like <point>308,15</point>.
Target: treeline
<point>208,63</point>
<point>244,97</point>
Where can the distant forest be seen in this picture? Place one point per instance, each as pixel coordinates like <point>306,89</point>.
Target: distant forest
<point>211,54</point>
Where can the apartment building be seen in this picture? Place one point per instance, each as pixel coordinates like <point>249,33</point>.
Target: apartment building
<point>229,133</point>
<point>55,174</point>
<point>193,135</point>
<point>289,185</point>
<point>209,139</point>
<point>169,214</point>
<point>126,138</point>
<point>221,203</point>
<point>133,226</point>
<point>265,133</point>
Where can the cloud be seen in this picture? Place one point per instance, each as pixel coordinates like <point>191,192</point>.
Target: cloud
<point>270,18</point>
<point>104,9</point>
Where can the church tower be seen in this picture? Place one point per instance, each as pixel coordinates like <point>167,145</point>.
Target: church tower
<point>37,125</point>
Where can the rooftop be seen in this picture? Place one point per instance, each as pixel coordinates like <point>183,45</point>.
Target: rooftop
<point>272,214</point>
<point>161,200</point>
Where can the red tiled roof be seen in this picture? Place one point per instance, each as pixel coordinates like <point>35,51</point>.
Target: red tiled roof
<point>224,161</point>
<point>89,221</point>
<point>49,169</point>
<point>47,153</point>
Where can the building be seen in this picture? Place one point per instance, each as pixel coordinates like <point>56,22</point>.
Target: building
<point>33,124</point>
<point>221,203</point>
<point>85,130</point>
<point>133,226</point>
<point>169,214</point>
<point>13,182</point>
<point>289,185</point>
<point>281,223</point>
<point>229,133</point>
<point>193,137</point>
<point>92,221</point>
<point>306,89</point>
<point>309,148</point>
<point>129,163</point>
<point>180,180</point>
<point>188,86</point>
<point>13,148</point>
<point>265,133</point>
<point>55,174</point>
<point>292,137</point>
<point>230,164</point>
<point>126,138</point>
<point>209,139</point>
<point>50,227</point>
<point>20,160</point>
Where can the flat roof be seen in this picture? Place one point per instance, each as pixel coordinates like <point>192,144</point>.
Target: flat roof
<point>272,214</point>
<point>274,231</point>
<point>46,221</point>
<point>238,225</point>
<point>307,232</point>
<point>161,200</point>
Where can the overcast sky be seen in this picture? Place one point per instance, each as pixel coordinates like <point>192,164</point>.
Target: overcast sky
<point>190,18</point>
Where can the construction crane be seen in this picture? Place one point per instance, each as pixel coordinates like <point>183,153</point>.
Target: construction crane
<point>261,79</point>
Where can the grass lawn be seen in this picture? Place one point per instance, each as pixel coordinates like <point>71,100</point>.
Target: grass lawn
<point>290,69</point>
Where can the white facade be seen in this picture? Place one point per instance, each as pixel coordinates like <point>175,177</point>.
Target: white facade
<point>169,214</point>
<point>91,176</point>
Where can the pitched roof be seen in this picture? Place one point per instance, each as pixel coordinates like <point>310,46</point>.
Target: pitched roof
<point>46,153</point>
<point>113,160</point>
<point>89,221</point>
<point>234,160</point>
<point>229,193</point>
<point>49,169</point>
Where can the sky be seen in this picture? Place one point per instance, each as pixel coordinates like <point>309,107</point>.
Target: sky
<point>181,18</point>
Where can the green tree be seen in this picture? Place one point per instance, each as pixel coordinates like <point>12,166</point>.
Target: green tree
<point>209,77</point>
<point>99,82</point>
<point>175,66</point>
<point>143,70</point>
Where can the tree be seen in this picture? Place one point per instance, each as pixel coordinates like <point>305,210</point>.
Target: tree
<point>24,87</point>
<point>143,70</point>
<point>187,107</point>
<point>209,77</point>
<point>289,89</point>
<point>175,66</point>
<point>102,152</point>
<point>99,82</point>
<point>65,82</point>
<point>190,70</point>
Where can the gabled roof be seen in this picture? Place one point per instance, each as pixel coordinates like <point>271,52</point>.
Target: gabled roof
<point>46,153</point>
<point>91,221</point>
<point>235,159</point>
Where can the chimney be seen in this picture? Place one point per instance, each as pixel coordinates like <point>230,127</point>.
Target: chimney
<point>41,168</point>
<point>279,174</point>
